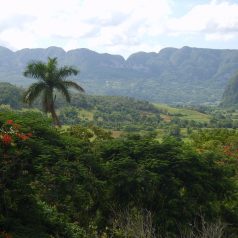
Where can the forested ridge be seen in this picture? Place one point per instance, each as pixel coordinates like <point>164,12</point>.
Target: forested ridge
<point>168,76</point>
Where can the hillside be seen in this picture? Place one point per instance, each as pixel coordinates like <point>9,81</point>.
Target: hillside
<point>110,112</point>
<point>186,75</point>
<point>116,113</point>
<point>230,96</point>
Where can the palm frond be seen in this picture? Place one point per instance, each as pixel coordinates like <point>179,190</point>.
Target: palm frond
<point>66,71</point>
<point>71,84</point>
<point>52,69</point>
<point>33,92</point>
<point>36,70</point>
<point>64,90</point>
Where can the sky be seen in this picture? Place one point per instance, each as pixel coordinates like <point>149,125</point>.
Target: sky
<point>119,26</point>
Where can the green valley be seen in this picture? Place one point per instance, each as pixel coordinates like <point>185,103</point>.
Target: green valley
<point>118,167</point>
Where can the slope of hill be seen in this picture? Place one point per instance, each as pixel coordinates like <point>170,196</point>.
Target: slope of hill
<point>10,95</point>
<point>125,114</point>
<point>111,112</point>
<point>230,96</point>
<point>186,75</point>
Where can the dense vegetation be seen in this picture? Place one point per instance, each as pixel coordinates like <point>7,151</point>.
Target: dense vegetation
<point>120,114</point>
<point>117,113</point>
<point>74,183</point>
<point>10,95</point>
<point>177,177</point>
<point>185,76</point>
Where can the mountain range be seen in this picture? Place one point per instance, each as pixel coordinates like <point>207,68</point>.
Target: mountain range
<point>187,75</point>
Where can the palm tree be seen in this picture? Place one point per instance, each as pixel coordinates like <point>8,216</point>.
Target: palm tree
<point>50,78</point>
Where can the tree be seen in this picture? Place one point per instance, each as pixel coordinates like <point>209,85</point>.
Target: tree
<point>50,78</point>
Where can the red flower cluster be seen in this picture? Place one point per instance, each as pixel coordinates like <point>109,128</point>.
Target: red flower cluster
<point>6,139</point>
<point>9,131</point>
<point>9,122</point>
<point>24,136</point>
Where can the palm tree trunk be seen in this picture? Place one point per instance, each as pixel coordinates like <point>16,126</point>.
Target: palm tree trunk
<point>55,117</point>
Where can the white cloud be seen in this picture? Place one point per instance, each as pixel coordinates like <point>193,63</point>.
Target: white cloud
<point>114,26</point>
<point>84,23</point>
<point>217,20</point>
<point>18,39</point>
<point>128,50</point>
<point>220,37</point>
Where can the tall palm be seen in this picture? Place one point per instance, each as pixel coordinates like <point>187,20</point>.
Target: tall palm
<point>50,78</point>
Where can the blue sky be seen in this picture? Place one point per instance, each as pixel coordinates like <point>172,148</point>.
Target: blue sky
<point>119,26</point>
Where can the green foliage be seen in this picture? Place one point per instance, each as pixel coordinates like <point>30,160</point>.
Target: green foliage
<point>89,133</point>
<point>10,95</point>
<point>115,113</point>
<point>169,179</point>
<point>23,169</point>
<point>69,115</point>
<point>70,184</point>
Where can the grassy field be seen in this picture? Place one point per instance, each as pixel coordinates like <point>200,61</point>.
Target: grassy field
<point>182,113</point>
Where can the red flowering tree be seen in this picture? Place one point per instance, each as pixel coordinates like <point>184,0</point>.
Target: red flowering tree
<point>10,134</point>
